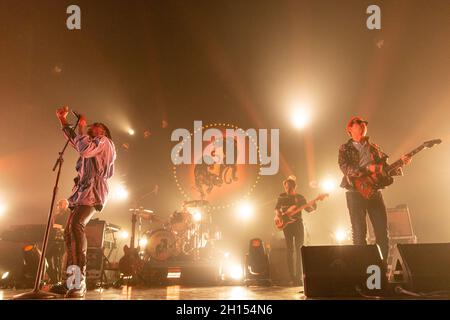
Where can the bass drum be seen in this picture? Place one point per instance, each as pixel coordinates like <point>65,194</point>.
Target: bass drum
<point>161,245</point>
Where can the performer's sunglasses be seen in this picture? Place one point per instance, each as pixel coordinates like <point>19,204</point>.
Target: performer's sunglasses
<point>359,122</point>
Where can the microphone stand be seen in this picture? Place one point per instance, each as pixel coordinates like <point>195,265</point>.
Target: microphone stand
<point>37,293</point>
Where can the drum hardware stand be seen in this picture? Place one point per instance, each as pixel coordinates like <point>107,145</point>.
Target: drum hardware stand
<point>136,217</point>
<point>37,293</point>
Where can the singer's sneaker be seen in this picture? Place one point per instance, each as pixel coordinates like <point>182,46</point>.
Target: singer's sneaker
<point>77,293</point>
<point>59,288</point>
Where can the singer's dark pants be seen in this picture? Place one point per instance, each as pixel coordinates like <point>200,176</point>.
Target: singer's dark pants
<point>294,236</point>
<point>75,237</point>
<point>358,208</point>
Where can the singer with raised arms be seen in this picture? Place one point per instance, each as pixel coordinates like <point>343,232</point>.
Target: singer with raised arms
<point>94,167</point>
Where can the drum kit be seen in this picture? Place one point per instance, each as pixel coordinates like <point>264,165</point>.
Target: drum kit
<point>181,236</point>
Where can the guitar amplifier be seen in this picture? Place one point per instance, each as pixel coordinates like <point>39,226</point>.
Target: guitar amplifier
<point>95,233</point>
<point>399,225</point>
<point>94,267</point>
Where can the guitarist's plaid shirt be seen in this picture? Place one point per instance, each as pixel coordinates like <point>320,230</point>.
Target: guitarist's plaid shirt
<point>349,162</point>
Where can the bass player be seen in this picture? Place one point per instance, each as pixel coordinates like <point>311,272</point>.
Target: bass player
<point>293,232</point>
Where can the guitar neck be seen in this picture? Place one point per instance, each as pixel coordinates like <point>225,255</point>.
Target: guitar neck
<point>399,163</point>
<point>307,205</point>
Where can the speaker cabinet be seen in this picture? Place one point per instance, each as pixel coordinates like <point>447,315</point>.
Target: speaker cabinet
<point>11,258</point>
<point>95,233</point>
<point>340,271</point>
<point>399,225</point>
<point>94,267</point>
<point>279,272</point>
<point>423,267</point>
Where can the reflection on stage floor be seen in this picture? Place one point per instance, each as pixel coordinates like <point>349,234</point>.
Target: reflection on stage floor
<point>187,293</point>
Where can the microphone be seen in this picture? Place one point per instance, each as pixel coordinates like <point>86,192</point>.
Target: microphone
<point>76,114</point>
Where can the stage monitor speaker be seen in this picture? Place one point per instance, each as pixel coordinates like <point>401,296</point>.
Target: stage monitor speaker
<point>11,258</point>
<point>279,272</point>
<point>423,267</point>
<point>202,275</point>
<point>340,271</point>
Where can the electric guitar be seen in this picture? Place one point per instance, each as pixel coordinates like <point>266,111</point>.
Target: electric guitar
<point>292,214</point>
<point>131,263</point>
<point>368,184</point>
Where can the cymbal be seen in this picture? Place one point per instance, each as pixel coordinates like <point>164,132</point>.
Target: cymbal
<point>141,210</point>
<point>151,217</point>
<point>196,203</point>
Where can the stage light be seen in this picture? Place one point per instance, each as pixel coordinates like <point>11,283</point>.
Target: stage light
<point>119,193</point>
<point>123,234</point>
<point>236,272</point>
<point>245,210</point>
<point>341,235</point>
<point>130,131</point>
<point>2,208</point>
<point>328,185</point>
<point>197,215</point>
<point>256,265</point>
<point>143,242</point>
<point>174,273</point>
<point>31,256</point>
<point>301,116</point>
<point>28,247</point>
<point>232,270</point>
<point>6,281</point>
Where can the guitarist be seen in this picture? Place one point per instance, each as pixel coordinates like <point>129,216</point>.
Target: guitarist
<point>293,232</point>
<point>358,157</point>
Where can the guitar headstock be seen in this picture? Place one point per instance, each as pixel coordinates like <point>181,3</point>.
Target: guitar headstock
<point>322,196</point>
<point>431,143</point>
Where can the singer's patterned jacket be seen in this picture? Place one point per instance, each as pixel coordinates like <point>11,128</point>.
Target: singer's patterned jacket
<point>349,162</point>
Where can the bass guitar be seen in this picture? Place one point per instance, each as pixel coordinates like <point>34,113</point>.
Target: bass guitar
<point>292,214</point>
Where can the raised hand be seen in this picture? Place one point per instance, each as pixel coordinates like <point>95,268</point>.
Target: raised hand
<point>82,123</point>
<point>61,114</point>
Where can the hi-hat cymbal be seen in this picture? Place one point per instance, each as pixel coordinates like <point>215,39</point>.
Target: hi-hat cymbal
<point>196,203</point>
<point>141,210</point>
<point>151,217</point>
